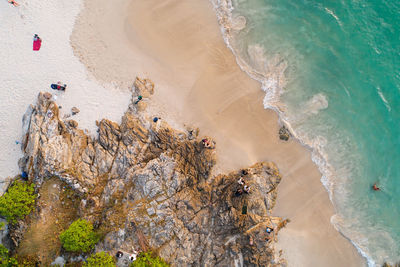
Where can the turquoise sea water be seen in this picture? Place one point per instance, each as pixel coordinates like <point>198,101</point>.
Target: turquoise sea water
<point>338,63</point>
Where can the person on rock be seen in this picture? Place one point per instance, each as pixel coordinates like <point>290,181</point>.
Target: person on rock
<point>206,143</point>
<point>269,230</point>
<point>238,192</point>
<point>138,99</point>
<point>246,189</point>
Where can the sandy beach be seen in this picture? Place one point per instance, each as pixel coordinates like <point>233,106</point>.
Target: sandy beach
<point>179,46</point>
<point>25,73</point>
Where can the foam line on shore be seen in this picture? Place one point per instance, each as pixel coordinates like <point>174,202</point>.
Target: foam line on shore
<point>273,83</point>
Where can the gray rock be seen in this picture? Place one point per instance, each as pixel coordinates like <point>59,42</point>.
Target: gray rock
<point>59,261</point>
<point>74,110</point>
<point>284,133</point>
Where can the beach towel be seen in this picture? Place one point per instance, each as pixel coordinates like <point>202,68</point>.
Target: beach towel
<point>37,44</point>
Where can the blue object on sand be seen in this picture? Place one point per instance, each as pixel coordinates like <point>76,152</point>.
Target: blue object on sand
<point>24,175</point>
<point>155,119</point>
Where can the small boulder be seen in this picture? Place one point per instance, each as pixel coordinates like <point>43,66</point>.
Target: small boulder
<point>47,95</point>
<point>192,133</point>
<point>75,110</point>
<point>284,133</point>
<point>73,123</point>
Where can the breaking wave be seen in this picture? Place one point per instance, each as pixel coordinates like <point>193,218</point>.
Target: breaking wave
<point>271,70</point>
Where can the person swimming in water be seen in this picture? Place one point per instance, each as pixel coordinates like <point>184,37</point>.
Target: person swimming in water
<point>375,187</point>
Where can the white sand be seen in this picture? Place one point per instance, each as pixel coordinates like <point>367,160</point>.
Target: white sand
<point>24,73</point>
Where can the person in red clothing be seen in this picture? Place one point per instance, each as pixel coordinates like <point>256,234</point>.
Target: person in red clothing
<point>37,42</point>
<point>58,86</point>
<point>13,2</point>
<point>375,187</point>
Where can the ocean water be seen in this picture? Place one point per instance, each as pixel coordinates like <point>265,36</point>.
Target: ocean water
<point>332,71</point>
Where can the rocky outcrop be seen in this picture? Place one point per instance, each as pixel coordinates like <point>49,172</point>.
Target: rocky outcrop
<point>148,186</point>
<point>284,133</point>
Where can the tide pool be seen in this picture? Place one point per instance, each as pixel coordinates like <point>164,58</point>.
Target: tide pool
<point>332,69</point>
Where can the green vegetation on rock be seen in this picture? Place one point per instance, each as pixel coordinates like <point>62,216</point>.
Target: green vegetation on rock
<point>149,260</point>
<point>18,201</point>
<point>389,265</point>
<point>5,259</point>
<point>100,259</point>
<point>79,237</point>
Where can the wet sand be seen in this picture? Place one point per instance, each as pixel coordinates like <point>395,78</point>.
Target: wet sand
<point>179,46</point>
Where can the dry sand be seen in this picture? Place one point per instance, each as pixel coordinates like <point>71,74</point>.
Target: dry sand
<point>179,46</point>
<point>24,73</point>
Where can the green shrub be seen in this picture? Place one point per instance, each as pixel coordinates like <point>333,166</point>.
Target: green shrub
<point>5,259</point>
<point>100,259</point>
<point>79,237</point>
<point>149,260</point>
<point>18,201</point>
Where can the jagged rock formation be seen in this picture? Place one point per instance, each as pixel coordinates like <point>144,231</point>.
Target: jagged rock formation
<point>145,185</point>
<point>284,133</point>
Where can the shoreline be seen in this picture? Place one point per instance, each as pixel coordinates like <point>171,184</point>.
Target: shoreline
<point>187,92</point>
<point>273,88</point>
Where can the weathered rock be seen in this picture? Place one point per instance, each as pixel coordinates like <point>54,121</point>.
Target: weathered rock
<point>75,110</point>
<point>284,133</point>
<point>4,185</point>
<point>72,123</point>
<point>150,186</point>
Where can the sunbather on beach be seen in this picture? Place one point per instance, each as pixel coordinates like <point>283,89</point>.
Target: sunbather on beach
<point>13,2</point>
<point>37,42</point>
<point>36,37</point>
<point>58,86</point>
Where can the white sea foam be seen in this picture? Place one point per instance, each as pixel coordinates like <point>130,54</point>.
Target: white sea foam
<point>387,105</point>
<point>330,12</point>
<point>24,72</point>
<point>271,75</point>
<point>316,103</point>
